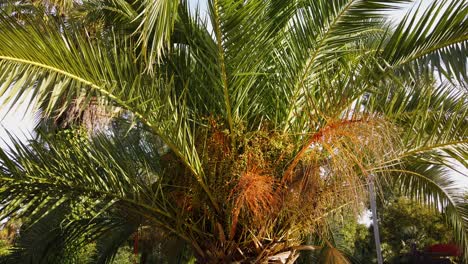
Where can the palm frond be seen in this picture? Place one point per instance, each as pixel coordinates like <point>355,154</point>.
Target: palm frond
<point>292,103</point>
<point>49,183</point>
<point>329,254</point>
<point>111,13</point>
<point>321,33</point>
<point>437,40</point>
<point>155,29</point>
<point>107,246</point>
<point>58,73</point>
<point>432,119</point>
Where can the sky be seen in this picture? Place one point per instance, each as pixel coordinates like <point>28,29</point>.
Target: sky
<point>20,122</point>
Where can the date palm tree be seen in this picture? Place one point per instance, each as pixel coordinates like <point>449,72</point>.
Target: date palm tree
<point>239,132</point>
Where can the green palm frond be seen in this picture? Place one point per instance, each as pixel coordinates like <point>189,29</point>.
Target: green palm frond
<point>322,33</point>
<point>432,119</point>
<point>107,246</point>
<point>300,99</point>
<point>43,166</point>
<point>35,183</point>
<point>438,40</point>
<point>97,70</point>
<point>118,13</point>
<point>155,29</point>
<point>41,242</point>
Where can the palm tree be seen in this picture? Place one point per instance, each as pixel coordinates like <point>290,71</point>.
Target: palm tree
<point>239,133</point>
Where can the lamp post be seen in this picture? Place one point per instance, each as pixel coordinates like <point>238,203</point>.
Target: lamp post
<point>375,224</point>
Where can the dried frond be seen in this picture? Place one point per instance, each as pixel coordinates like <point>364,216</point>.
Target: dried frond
<point>9,231</point>
<point>332,168</point>
<point>333,256</point>
<point>93,115</point>
<point>255,195</point>
<point>182,200</point>
<point>219,142</point>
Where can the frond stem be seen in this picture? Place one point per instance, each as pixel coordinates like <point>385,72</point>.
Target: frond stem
<point>434,48</point>
<point>311,60</point>
<point>221,58</point>
<point>123,104</point>
<point>314,138</point>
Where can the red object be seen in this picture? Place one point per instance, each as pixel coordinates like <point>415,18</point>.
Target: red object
<point>135,247</point>
<point>445,249</point>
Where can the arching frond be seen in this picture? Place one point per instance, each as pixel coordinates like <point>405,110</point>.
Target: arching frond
<point>435,41</point>
<point>155,29</point>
